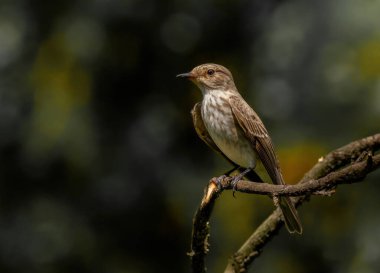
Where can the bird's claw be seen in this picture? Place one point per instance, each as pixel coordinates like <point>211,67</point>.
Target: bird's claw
<point>218,181</point>
<point>234,182</point>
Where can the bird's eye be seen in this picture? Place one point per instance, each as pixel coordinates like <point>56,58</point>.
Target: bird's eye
<point>210,72</point>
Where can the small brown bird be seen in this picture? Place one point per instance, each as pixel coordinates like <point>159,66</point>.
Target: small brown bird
<point>226,123</point>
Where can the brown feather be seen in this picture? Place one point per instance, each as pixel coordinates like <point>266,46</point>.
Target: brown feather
<point>255,131</point>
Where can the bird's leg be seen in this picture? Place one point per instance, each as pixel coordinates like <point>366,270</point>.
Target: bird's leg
<point>237,178</point>
<point>251,176</point>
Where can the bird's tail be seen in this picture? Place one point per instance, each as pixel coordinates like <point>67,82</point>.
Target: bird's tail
<point>292,221</point>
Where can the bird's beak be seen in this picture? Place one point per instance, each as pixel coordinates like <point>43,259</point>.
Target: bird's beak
<point>188,75</point>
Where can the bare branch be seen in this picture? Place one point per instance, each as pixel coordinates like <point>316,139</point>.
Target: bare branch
<point>201,228</point>
<point>347,175</point>
<point>335,160</point>
<point>330,171</point>
<point>252,248</point>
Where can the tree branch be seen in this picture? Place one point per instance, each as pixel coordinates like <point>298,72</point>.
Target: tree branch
<point>252,248</point>
<point>347,175</point>
<point>348,164</point>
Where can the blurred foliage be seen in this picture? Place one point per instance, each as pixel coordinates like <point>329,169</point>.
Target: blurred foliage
<point>101,170</point>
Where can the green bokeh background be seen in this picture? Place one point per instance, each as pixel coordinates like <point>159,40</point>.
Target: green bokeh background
<point>101,170</point>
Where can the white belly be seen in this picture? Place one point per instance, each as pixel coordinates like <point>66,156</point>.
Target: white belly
<point>226,134</point>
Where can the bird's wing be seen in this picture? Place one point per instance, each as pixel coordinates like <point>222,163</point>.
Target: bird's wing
<point>202,132</point>
<point>255,131</point>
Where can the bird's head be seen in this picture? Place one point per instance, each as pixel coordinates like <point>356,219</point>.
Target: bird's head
<point>210,77</point>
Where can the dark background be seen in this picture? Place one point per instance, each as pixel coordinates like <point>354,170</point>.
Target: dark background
<point>100,168</point>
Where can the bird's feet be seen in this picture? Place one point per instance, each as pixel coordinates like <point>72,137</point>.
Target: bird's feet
<point>218,181</point>
<point>234,181</point>
<point>237,178</point>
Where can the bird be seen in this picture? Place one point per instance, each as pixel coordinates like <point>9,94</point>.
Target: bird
<point>228,125</point>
